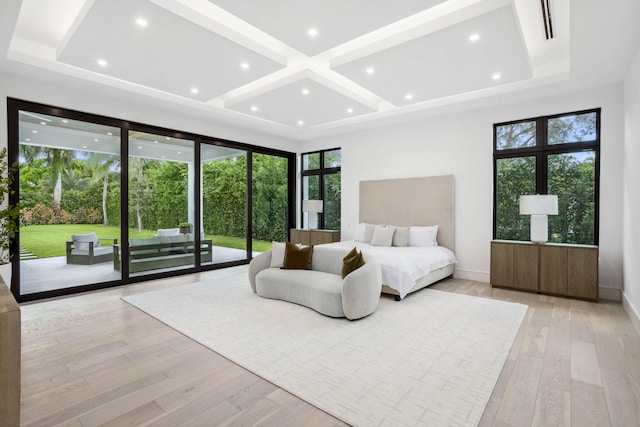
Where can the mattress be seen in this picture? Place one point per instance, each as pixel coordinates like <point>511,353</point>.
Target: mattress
<point>401,267</point>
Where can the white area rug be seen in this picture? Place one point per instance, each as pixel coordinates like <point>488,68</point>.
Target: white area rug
<point>431,359</point>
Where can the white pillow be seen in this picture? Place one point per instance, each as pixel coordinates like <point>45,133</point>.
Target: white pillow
<point>277,254</point>
<point>382,236</point>
<point>360,231</point>
<point>423,236</point>
<point>168,231</point>
<point>401,237</point>
<point>364,232</point>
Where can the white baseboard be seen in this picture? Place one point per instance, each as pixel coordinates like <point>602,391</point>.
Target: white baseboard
<point>478,276</point>
<point>634,316</point>
<point>613,294</point>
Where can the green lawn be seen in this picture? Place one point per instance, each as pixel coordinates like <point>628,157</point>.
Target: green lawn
<point>50,240</point>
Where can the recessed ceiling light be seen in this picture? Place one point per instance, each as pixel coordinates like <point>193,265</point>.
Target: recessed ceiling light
<point>84,146</point>
<point>313,32</point>
<point>168,138</point>
<point>474,37</point>
<point>244,65</point>
<point>139,147</point>
<point>164,157</point>
<point>305,91</point>
<point>155,142</point>
<point>194,90</point>
<point>110,133</point>
<point>496,76</point>
<point>300,122</point>
<point>102,62</point>
<point>254,108</point>
<point>34,131</point>
<point>43,123</point>
<point>370,70</point>
<point>179,152</point>
<point>349,110</point>
<point>96,140</point>
<point>141,22</point>
<point>65,121</point>
<point>408,96</point>
<point>28,139</point>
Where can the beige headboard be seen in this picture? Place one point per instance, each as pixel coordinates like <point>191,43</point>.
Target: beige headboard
<point>411,201</point>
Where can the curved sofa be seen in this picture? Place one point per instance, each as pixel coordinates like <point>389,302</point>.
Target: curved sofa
<point>322,288</point>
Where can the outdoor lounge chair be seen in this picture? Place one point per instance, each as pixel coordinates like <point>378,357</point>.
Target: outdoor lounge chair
<point>85,249</point>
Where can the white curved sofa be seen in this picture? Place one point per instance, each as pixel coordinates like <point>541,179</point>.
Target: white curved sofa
<point>322,288</point>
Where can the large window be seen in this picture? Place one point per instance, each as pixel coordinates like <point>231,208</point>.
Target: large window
<point>106,202</point>
<point>321,181</point>
<point>558,155</point>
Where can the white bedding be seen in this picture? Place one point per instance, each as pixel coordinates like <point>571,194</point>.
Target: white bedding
<point>402,266</point>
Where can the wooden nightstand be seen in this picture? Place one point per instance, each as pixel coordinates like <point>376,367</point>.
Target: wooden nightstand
<point>554,269</point>
<point>314,237</point>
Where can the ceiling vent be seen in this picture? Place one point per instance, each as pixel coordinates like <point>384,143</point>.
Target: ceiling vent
<point>546,17</point>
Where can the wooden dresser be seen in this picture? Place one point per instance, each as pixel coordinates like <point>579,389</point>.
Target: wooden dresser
<point>554,269</point>
<point>314,237</point>
<point>10,366</point>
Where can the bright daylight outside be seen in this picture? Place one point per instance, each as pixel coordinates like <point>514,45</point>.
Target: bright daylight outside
<point>70,199</point>
<point>570,173</point>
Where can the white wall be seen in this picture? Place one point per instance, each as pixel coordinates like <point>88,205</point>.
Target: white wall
<point>631,193</point>
<point>65,92</point>
<point>461,144</point>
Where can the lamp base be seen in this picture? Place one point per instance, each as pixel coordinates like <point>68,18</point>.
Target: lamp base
<point>539,228</point>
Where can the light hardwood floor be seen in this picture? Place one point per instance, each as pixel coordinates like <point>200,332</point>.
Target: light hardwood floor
<point>93,360</point>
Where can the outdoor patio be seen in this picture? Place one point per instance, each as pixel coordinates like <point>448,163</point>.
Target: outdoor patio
<point>45,274</point>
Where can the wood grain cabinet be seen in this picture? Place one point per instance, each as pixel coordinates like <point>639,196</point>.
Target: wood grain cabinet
<point>10,362</point>
<point>555,269</point>
<point>314,237</point>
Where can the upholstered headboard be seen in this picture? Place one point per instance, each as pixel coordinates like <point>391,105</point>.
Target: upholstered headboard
<point>411,201</point>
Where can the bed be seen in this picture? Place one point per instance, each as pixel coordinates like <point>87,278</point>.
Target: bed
<point>405,202</point>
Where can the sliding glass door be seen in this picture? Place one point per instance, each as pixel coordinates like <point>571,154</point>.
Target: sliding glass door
<point>161,204</point>
<point>106,202</point>
<point>69,187</point>
<point>270,200</point>
<point>224,202</point>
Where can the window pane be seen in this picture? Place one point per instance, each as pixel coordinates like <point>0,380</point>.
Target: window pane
<point>69,178</point>
<point>270,201</point>
<point>332,201</point>
<point>567,129</point>
<point>161,196</point>
<point>516,135</point>
<point>311,161</point>
<point>310,191</point>
<point>224,203</point>
<point>515,177</point>
<point>572,177</point>
<point>332,159</point>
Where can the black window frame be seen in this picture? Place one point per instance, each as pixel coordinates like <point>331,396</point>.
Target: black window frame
<point>541,151</point>
<point>321,172</point>
<point>15,105</point>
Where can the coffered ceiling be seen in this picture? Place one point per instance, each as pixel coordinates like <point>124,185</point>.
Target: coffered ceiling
<point>300,68</point>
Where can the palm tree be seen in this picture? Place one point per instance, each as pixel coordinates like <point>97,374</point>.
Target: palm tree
<point>102,165</point>
<point>58,160</point>
<point>139,188</point>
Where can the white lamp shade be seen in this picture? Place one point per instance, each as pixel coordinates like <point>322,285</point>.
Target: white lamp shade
<point>312,206</point>
<point>539,205</point>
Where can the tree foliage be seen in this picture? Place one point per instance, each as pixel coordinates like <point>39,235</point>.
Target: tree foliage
<point>570,175</point>
<point>158,194</point>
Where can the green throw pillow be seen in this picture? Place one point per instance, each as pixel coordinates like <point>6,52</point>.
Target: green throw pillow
<point>296,258</point>
<point>352,261</point>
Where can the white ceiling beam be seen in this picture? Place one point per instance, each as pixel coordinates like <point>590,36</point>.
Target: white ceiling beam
<point>428,21</point>
<point>280,78</point>
<point>222,23</point>
<point>344,86</point>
